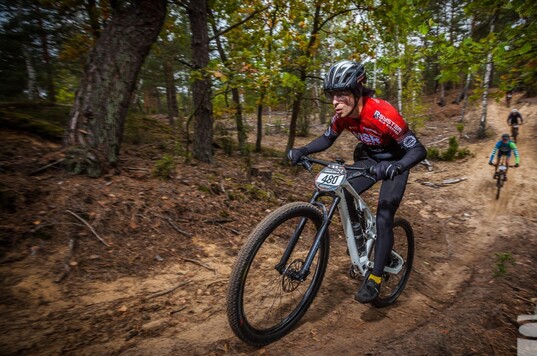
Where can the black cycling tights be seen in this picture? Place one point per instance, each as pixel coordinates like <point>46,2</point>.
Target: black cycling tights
<point>390,196</point>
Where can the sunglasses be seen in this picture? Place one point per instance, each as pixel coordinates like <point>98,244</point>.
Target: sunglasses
<point>338,95</point>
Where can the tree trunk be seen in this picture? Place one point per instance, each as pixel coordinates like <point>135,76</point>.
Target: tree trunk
<point>481,132</point>
<point>93,137</point>
<point>259,136</point>
<point>31,88</point>
<point>464,96</point>
<point>235,95</point>
<point>93,17</point>
<point>201,86</point>
<point>171,92</point>
<point>51,90</point>
<point>30,70</point>
<point>303,74</point>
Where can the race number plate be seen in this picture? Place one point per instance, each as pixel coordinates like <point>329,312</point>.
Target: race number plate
<point>329,179</point>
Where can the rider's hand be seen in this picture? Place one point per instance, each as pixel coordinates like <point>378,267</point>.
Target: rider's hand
<point>295,154</point>
<point>516,164</point>
<point>386,170</point>
<point>490,162</point>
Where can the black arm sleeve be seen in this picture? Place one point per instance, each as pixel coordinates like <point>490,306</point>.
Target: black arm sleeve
<point>321,143</point>
<point>414,150</point>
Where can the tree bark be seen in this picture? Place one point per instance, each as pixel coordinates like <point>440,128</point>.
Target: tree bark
<point>201,86</point>
<point>171,92</point>
<point>235,95</point>
<point>481,132</point>
<point>51,89</point>
<point>303,74</point>
<point>93,137</point>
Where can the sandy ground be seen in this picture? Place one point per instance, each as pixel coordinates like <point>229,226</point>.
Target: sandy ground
<point>151,293</point>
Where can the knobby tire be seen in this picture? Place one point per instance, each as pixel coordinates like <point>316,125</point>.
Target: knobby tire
<point>403,244</point>
<point>264,304</point>
<point>499,185</point>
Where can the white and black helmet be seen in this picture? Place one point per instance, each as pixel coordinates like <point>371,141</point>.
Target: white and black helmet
<point>345,75</point>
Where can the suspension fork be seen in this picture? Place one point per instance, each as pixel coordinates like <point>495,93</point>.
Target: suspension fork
<point>327,219</point>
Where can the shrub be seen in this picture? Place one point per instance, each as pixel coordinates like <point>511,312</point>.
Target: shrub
<point>164,167</point>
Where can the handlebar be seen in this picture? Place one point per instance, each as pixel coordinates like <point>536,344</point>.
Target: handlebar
<point>307,161</point>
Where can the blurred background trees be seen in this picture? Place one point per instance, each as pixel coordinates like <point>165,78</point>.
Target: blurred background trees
<point>226,68</point>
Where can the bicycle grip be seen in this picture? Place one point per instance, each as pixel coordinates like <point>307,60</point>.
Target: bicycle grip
<point>307,165</point>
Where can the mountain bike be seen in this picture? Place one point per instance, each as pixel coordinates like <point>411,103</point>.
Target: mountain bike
<point>500,174</point>
<point>514,131</point>
<point>279,270</point>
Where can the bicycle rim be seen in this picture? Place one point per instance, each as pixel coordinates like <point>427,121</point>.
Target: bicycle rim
<point>264,304</point>
<point>499,184</point>
<point>393,284</point>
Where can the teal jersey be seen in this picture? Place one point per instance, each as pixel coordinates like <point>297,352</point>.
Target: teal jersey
<point>505,148</point>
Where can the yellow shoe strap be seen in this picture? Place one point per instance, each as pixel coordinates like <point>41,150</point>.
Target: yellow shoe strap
<point>377,279</point>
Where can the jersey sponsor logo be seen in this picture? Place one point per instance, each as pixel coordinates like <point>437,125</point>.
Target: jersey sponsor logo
<point>409,141</point>
<point>375,132</point>
<point>389,123</point>
<point>369,139</point>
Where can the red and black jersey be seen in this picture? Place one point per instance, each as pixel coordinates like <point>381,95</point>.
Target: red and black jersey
<point>379,124</point>
<point>380,127</point>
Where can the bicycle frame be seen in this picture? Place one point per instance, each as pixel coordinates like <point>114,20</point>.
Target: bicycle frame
<point>339,201</point>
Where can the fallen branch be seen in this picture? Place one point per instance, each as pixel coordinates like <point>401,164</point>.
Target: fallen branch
<point>47,166</point>
<point>182,232</point>
<point>199,264</point>
<point>439,141</point>
<point>453,180</point>
<point>89,227</point>
<point>428,164</point>
<point>430,184</point>
<point>167,291</point>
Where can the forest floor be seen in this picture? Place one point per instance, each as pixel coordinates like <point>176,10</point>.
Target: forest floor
<point>133,265</point>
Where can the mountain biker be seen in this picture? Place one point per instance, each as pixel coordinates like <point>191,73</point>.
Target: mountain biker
<point>508,97</point>
<point>515,118</point>
<point>504,147</point>
<point>386,144</point>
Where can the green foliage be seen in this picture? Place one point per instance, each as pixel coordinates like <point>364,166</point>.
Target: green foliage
<point>451,153</point>
<point>258,193</point>
<point>502,259</point>
<point>164,167</point>
<point>460,127</point>
<point>40,118</point>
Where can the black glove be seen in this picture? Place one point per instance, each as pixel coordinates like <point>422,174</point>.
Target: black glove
<point>295,154</point>
<point>516,164</point>
<point>490,162</point>
<point>387,170</point>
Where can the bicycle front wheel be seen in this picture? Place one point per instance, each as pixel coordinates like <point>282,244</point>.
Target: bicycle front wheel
<point>402,256</point>
<point>266,299</point>
<point>499,184</point>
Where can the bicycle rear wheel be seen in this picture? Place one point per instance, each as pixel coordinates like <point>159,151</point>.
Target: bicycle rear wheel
<point>499,184</point>
<point>265,301</point>
<point>403,245</point>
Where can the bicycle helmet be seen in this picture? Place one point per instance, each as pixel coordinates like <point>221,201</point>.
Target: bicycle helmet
<point>345,75</point>
<point>505,136</point>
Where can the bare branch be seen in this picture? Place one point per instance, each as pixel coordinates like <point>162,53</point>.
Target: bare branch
<point>89,226</point>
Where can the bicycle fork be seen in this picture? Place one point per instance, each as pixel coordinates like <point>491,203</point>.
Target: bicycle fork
<point>302,274</point>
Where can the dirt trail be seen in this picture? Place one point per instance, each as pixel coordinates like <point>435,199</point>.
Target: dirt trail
<point>452,304</point>
<point>468,220</point>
